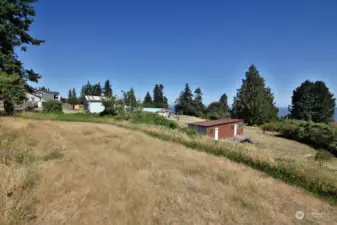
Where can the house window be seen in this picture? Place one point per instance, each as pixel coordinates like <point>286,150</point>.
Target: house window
<point>211,131</point>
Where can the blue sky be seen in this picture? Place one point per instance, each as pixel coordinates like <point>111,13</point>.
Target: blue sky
<point>201,42</point>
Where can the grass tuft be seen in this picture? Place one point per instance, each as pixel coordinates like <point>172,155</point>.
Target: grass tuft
<point>53,155</point>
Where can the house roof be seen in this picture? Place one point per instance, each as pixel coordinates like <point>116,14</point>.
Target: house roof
<point>34,94</point>
<point>210,123</point>
<point>334,124</point>
<point>94,98</point>
<point>50,92</point>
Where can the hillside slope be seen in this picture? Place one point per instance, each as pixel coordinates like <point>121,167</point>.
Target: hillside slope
<point>110,175</point>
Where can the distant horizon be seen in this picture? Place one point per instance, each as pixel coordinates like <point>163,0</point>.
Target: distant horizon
<point>207,44</point>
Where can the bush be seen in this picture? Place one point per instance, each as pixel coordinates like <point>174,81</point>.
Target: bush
<point>53,106</point>
<point>188,131</point>
<point>319,135</point>
<point>152,118</point>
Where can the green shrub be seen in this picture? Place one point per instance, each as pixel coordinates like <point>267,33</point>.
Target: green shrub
<point>319,135</point>
<point>152,118</point>
<point>188,131</point>
<point>52,106</point>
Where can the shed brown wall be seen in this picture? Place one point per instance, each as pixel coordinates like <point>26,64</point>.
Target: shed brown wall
<point>225,130</point>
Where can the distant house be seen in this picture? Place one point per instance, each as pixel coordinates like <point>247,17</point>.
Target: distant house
<point>48,95</point>
<point>219,129</point>
<point>160,111</point>
<point>93,104</point>
<point>334,124</point>
<point>33,99</point>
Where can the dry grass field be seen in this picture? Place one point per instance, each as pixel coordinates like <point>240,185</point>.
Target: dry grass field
<point>82,173</point>
<point>269,143</point>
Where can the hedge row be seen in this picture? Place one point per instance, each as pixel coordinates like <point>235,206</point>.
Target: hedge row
<point>318,135</point>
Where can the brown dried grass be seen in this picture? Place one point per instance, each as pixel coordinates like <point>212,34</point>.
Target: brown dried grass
<point>117,176</point>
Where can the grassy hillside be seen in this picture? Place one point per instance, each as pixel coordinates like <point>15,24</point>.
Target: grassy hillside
<point>300,171</point>
<point>84,173</point>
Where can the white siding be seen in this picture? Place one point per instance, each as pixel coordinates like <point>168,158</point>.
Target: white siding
<point>95,107</point>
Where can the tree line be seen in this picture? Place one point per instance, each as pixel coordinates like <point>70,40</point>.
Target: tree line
<point>157,100</point>
<point>254,102</point>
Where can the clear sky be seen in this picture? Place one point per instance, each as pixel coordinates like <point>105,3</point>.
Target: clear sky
<point>204,43</point>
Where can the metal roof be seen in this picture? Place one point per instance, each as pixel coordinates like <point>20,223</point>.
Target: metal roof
<point>50,92</point>
<point>94,98</point>
<point>210,123</point>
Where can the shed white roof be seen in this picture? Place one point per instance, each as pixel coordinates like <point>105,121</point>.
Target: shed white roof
<point>94,98</point>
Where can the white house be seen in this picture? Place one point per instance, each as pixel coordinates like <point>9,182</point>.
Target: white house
<point>160,111</point>
<point>93,104</point>
<point>34,99</point>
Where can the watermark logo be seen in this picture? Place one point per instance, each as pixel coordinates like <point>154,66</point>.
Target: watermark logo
<point>299,215</point>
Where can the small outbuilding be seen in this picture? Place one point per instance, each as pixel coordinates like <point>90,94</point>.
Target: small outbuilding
<point>93,104</point>
<point>219,129</point>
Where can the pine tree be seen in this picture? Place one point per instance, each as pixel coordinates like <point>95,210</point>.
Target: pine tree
<point>131,99</point>
<point>197,103</point>
<point>185,104</point>
<point>224,103</point>
<point>219,109</point>
<point>96,89</point>
<point>312,101</point>
<point>147,103</point>
<point>158,97</point>
<point>165,103</point>
<point>107,89</point>
<point>74,95</point>
<point>254,102</point>
<point>72,98</point>
<point>16,17</point>
<point>70,94</point>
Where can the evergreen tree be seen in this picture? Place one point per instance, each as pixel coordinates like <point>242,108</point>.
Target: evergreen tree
<point>312,101</point>
<point>185,104</point>
<point>107,89</point>
<point>147,103</point>
<point>197,103</point>
<point>12,91</point>
<point>74,95</point>
<point>165,103</point>
<point>219,109</point>
<point>16,17</point>
<point>159,100</point>
<point>72,98</point>
<point>254,102</point>
<point>131,99</point>
<point>70,94</point>
<point>96,89</point>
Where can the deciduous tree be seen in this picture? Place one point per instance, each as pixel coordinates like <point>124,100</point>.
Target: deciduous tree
<point>312,101</point>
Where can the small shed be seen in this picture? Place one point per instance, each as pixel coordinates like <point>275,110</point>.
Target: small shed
<point>93,104</point>
<point>219,129</point>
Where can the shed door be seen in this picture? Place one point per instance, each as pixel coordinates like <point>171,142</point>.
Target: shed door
<point>216,133</point>
<point>235,129</point>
